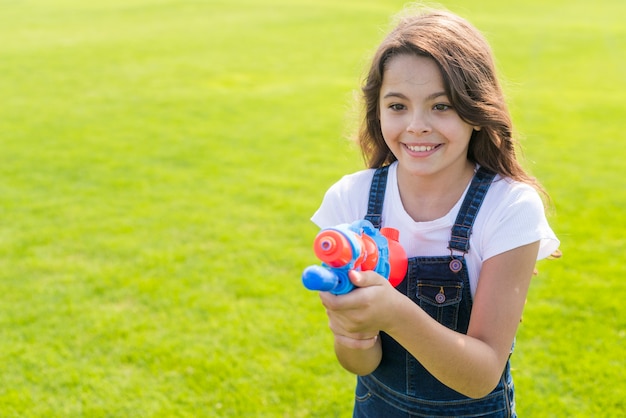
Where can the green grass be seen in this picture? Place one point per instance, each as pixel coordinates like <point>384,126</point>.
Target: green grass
<point>160,161</point>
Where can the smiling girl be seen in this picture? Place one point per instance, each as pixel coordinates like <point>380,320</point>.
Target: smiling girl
<point>437,137</point>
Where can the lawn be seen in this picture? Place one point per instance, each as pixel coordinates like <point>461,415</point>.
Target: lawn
<point>161,159</point>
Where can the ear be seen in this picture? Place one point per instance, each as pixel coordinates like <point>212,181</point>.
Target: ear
<point>477,128</point>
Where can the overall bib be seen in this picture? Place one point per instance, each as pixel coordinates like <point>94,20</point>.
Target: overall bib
<point>401,386</point>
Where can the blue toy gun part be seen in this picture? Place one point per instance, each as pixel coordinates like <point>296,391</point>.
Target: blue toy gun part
<point>326,280</point>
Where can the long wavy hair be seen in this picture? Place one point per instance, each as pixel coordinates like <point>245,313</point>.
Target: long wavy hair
<point>467,67</point>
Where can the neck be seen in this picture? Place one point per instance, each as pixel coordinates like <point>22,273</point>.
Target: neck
<point>430,197</point>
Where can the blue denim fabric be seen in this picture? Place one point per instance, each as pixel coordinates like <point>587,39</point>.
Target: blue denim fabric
<point>401,386</point>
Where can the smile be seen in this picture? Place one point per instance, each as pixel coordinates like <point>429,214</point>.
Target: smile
<point>421,148</point>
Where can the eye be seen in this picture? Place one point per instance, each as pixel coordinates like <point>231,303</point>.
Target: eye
<point>397,107</point>
<point>441,107</point>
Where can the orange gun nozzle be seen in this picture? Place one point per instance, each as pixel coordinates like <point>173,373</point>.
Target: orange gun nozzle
<point>333,248</point>
<point>327,244</point>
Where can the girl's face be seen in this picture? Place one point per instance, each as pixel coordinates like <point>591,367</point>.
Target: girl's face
<point>418,122</point>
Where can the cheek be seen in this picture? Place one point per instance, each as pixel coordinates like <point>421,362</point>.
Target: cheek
<point>389,136</point>
<point>461,132</point>
<point>389,128</point>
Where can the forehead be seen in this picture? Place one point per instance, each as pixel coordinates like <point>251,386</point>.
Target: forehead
<point>411,72</point>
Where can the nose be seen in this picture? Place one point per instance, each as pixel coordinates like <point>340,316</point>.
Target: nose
<point>419,124</point>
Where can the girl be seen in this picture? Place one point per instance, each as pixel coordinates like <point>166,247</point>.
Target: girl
<point>437,137</point>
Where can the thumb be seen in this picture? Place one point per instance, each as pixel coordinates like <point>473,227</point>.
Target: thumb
<point>366,278</point>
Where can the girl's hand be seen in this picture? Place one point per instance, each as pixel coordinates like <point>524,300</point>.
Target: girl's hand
<point>357,317</point>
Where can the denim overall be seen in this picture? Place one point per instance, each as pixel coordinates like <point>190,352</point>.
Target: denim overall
<point>401,386</point>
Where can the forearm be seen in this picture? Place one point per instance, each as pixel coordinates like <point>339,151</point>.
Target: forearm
<point>461,362</point>
<point>358,360</point>
<point>472,364</point>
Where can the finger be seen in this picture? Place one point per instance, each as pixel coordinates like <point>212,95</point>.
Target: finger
<point>329,301</point>
<point>356,343</point>
<point>366,278</point>
<point>351,327</point>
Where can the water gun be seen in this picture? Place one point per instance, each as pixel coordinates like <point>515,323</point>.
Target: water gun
<point>355,246</point>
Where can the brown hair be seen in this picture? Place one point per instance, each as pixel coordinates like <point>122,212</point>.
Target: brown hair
<point>466,63</point>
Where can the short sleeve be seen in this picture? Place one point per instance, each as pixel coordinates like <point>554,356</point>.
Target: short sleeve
<point>345,201</point>
<point>518,219</point>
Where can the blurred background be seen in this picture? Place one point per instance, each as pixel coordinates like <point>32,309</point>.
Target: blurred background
<point>160,162</point>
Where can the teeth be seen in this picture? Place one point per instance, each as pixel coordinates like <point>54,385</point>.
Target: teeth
<point>420,148</point>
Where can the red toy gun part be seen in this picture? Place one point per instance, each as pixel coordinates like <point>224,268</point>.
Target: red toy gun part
<point>398,261</point>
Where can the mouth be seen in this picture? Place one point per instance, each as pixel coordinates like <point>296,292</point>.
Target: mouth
<point>422,148</point>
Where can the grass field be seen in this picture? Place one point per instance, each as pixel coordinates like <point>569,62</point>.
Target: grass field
<point>160,161</point>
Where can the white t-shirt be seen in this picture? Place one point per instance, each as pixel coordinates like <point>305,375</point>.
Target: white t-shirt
<point>511,215</point>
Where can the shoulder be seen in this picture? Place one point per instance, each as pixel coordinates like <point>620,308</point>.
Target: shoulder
<point>346,200</point>
<point>352,183</point>
<point>506,193</point>
<point>513,214</point>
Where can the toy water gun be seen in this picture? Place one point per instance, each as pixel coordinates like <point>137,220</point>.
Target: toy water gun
<point>355,246</point>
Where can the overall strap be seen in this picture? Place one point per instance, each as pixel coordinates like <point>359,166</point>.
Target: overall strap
<point>462,228</point>
<point>377,196</point>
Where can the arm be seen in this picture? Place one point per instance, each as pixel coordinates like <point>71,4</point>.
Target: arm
<point>473,363</point>
<point>470,364</point>
<point>358,352</point>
